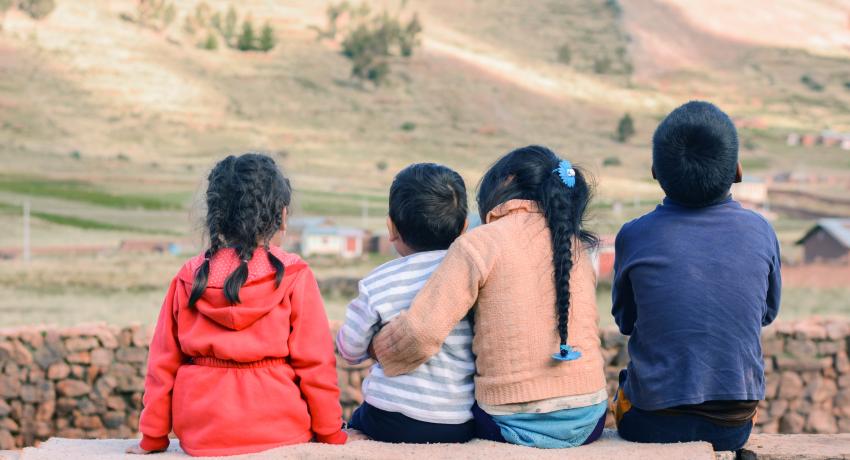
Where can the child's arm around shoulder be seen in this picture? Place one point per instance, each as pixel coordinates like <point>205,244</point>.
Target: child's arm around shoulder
<point>418,333</point>
<point>311,354</point>
<point>361,324</point>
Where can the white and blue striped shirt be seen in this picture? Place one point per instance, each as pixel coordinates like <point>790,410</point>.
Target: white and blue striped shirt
<point>439,391</point>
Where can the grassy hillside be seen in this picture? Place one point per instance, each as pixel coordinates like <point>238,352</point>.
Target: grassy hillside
<point>108,128</point>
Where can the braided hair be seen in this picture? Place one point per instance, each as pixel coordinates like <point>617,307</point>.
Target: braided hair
<point>529,173</point>
<point>245,199</point>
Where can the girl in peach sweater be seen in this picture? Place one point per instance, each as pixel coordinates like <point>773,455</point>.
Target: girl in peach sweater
<point>529,280</point>
<point>242,359</point>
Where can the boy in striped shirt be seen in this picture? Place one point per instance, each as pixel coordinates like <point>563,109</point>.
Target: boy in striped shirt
<point>433,403</point>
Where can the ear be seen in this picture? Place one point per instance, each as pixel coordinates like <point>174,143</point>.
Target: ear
<point>283,216</point>
<point>465,226</point>
<point>394,236</point>
<point>652,169</point>
<point>739,174</point>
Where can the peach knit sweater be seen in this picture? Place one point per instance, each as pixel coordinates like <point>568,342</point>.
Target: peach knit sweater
<point>504,269</point>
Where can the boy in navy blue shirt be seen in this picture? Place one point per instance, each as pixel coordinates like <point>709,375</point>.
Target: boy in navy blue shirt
<point>695,280</point>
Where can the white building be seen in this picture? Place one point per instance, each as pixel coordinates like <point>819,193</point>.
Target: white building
<point>332,241</point>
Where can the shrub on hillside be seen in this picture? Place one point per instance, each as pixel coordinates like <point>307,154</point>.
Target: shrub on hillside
<point>625,128</point>
<point>602,65</point>
<point>156,14</point>
<point>216,26</point>
<point>267,38</point>
<point>229,28</point>
<point>565,54</point>
<point>210,43</point>
<point>245,42</point>
<point>37,9</point>
<point>370,41</point>
<point>611,161</point>
<point>811,83</point>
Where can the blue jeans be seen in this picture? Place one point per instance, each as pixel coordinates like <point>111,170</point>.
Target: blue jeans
<point>638,425</point>
<point>386,426</point>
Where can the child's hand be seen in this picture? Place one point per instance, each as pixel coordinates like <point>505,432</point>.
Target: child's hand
<point>355,435</point>
<point>137,450</point>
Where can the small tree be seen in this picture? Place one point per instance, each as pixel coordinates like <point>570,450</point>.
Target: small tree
<point>370,41</point>
<point>169,15</point>
<point>230,21</point>
<point>267,38</point>
<point>409,37</point>
<point>625,128</point>
<point>37,9</point>
<point>246,38</point>
<point>211,43</point>
<point>565,55</point>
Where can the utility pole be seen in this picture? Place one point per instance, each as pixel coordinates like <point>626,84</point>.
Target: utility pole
<point>27,254</point>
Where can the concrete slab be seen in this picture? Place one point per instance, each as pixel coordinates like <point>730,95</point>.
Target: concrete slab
<point>797,446</point>
<point>609,447</point>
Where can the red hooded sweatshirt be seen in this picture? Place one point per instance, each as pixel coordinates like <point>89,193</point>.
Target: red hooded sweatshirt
<point>234,379</point>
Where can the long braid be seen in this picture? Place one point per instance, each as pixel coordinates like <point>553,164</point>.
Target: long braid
<point>562,192</point>
<point>557,204</point>
<point>246,197</point>
<point>239,276</point>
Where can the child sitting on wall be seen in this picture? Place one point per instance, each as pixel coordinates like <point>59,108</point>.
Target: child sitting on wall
<point>242,359</point>
<point>431,404</point>
<point>695,280</point>
<point>527,278</point>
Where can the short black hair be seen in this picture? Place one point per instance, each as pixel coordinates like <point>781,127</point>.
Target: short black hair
<point>428,206</point>
<point>695,154</point>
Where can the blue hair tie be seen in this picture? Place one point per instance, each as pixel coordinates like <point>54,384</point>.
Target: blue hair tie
<point>567,173</point>
<point>567,354</point>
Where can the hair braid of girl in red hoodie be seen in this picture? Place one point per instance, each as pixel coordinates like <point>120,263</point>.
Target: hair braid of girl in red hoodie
<point>242,358</point>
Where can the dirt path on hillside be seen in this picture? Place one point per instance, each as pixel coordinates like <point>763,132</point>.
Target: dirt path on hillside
<point>672,35</point>
<point>561,84</point>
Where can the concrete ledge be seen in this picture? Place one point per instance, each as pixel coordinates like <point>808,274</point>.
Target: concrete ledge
<point>760,447</point>
<point>797,446</point>
<point>609,447</point>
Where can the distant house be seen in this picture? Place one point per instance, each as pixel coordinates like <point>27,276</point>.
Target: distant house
<point>827,242</point>
<point>809,140</point>
<point>751,192</point>
<point>332,241</point>
<point>379,243</point>
<point>603,258</point>
<point>295,230</point>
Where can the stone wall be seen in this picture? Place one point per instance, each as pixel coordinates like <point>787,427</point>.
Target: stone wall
<point>88,381</point>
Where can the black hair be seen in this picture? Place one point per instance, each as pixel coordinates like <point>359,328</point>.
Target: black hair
<point>529,173</point>
<point>695,154</point>
<point>428,206</point>
<point>246,197</point>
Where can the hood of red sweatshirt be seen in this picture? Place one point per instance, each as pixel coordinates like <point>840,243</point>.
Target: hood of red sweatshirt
<point>258,295</point>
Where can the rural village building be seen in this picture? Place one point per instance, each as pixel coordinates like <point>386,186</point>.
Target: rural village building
<point>332,241</point>
<point>827,242</point>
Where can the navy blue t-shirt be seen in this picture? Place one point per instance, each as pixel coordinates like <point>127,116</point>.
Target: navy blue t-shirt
<point>693,288</point>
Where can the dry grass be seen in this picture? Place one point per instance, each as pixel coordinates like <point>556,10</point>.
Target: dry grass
<point>148,114</point>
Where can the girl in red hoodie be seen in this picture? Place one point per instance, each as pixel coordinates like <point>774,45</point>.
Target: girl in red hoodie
<point>242,359</point>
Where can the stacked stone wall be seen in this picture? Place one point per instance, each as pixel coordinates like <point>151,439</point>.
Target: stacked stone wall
<point>87,381</point>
